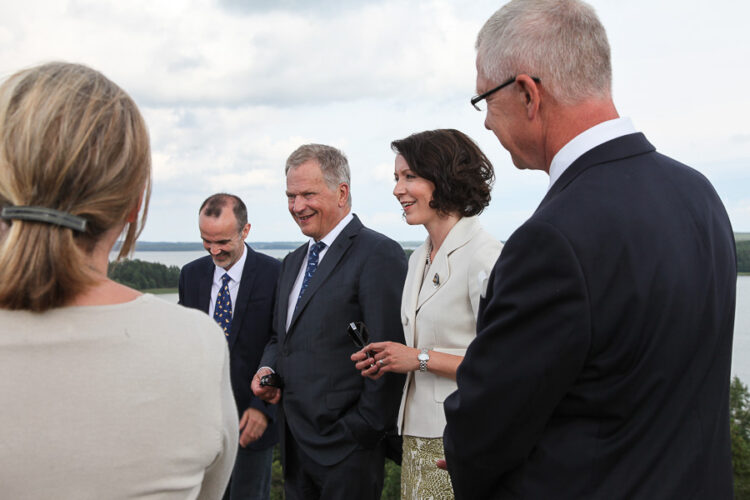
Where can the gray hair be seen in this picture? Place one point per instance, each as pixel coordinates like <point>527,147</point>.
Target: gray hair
<point>562,42</point>
<point>333,164</point>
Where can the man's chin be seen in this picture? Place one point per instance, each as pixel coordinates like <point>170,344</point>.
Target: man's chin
<point>220,262</point>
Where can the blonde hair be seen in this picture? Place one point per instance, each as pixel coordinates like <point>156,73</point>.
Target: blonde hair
<point>70,140</point>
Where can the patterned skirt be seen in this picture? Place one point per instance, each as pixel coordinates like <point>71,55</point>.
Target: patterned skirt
<point>420,477</point>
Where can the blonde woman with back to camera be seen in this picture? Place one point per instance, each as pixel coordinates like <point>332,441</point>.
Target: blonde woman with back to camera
<point>443,182</point>
<point>106,392</point>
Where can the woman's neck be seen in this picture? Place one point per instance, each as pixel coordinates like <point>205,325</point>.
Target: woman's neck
<point>438,230</point>
<point>104,291</point>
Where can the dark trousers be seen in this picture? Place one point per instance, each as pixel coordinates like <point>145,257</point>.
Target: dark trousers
<point>251,476</point>
<point>359,476</point>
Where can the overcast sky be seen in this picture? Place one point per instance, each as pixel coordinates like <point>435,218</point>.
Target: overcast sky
<point>230,87</point>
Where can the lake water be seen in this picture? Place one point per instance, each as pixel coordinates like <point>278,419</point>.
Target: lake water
<point>740,349</point>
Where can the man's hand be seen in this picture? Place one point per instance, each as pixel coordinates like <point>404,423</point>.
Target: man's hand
<point>268,394</point>
<point>252,426</point>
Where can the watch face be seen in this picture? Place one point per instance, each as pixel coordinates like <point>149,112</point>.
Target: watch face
<point>423,356</point>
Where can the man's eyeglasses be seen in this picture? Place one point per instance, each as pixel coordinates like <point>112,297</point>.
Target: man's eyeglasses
<point>476,101</point>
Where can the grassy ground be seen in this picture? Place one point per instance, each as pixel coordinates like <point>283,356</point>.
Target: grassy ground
<point>157,291</point>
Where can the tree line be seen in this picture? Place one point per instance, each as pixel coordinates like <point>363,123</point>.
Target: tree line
<point>143,275</point>
<point>743,256</point>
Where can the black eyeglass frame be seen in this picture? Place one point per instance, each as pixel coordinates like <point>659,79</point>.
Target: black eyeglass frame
<point>485,95</point>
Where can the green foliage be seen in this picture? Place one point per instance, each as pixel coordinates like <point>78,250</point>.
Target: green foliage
<point>392,481</point>
<point>739,427</point>
<point>277,475</point>
<point>144,275</point>
<point>743,256</point>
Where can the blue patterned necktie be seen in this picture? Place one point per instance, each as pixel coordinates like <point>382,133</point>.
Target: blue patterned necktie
<point>223,309</point>
<point>312,265</point>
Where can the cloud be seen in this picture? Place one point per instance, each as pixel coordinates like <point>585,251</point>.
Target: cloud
<point>230,87</point>
<point>193,54</point>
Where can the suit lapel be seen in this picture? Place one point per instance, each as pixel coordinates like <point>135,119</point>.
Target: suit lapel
<point>331,259</point>
<point>205,281</point>
<point>440,270</point>
<point>616,149</point>
<point>243,295</point>
<point>411,290</point>
<point>286,283</point>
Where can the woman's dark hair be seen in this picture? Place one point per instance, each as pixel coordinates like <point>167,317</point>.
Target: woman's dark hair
<point>462,174</point>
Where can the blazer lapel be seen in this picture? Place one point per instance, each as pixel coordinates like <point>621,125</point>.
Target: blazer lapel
<point>440,270</point>
<point>286,283</point>
<point>411,291</point>
<point>331,259</point>
<point>616,149</point>
<point>243,295</point>
<point>205,282</point>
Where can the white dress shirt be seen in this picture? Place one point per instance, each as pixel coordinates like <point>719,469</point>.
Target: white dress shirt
<point>328,240</point>
<point>586,141</point>
<point>235,273</point>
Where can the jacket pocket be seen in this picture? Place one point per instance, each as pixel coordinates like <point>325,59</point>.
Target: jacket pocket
<point>443,388</point>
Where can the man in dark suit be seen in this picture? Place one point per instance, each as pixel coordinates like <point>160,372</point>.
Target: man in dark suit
<point>237,287</point>
<point>335,420</point>
<point>602,359</point>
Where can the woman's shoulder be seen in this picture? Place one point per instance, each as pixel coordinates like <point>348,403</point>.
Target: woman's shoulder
<point>480,244</point>
<point>175,324</point>
<point>483,250</point>
<point>176,316</point>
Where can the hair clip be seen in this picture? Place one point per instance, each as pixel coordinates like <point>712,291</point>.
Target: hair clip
<point>43,214</point>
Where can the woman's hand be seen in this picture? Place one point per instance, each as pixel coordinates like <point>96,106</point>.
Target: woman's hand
<point>386,357</point>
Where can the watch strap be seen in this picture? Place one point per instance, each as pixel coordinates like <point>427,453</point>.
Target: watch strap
<point>424,358</point>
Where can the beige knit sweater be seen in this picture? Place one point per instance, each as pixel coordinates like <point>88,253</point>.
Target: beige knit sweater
<point>121,401</point>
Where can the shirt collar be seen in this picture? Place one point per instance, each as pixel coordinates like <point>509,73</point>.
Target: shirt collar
<point>586,141</point>
<point>235,272</point>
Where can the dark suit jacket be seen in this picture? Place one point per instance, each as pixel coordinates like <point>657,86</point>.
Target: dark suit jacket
<point>251,325</point>
<point>602,361</point>
<point>329,407</point>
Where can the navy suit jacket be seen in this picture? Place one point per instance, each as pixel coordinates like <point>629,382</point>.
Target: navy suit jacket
<point>329,407</point>
<point>251,325</point>
<point>602,361</point>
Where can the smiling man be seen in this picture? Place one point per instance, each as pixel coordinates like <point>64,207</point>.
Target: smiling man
<point>334,419</point>
<point>237,286</point>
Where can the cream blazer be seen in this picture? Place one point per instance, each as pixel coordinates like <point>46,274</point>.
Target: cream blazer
<point>442,316</point>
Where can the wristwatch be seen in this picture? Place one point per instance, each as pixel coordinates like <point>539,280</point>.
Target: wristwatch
<point>423,358</point>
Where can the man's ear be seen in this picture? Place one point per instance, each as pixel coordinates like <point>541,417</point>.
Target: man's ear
<point>530,93</point>
<point>343,194</point>
<point>245,231</point>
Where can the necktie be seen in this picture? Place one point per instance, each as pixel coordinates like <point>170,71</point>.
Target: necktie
<point>312,265</point>
<point>223,309</point>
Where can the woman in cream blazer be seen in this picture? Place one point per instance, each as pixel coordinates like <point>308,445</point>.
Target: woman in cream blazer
<point>443,182</point>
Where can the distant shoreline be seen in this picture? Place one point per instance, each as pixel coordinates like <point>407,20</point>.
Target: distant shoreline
<point>184,246</point>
